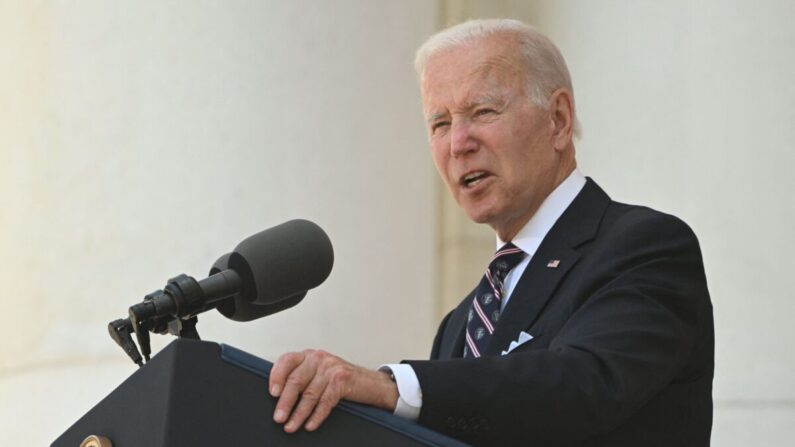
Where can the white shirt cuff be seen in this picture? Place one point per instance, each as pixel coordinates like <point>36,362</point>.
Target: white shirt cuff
<point>409,400</point>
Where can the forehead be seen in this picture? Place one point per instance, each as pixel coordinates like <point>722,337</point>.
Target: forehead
<point>489,67</point>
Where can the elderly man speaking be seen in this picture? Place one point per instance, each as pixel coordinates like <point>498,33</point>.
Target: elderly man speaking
<point>592,324</point>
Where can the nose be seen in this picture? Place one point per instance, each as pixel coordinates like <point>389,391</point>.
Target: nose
<point>462,141</point>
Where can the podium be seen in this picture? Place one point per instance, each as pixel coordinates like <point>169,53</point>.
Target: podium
<point>198,393</point>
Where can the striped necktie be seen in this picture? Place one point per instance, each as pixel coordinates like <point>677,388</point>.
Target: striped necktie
<point>485,310</point>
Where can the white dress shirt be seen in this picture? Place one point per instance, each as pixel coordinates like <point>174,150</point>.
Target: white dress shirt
<point>528,239</point>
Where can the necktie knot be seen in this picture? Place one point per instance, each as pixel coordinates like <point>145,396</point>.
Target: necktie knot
<point>506,258</point>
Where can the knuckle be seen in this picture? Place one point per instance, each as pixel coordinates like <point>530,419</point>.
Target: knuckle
<point>284,358</point>
<point>326,402</point>
<point>318,356</point>
<point>310,395</point>
<point>286,363</point>
<point>330,361</point>
<point>295,380</point>
<point>340,374</point>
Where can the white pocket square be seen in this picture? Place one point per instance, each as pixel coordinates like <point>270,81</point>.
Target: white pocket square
<point>524,337</point>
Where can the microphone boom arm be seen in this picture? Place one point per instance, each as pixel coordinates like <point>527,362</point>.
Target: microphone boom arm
<point>175,308</point>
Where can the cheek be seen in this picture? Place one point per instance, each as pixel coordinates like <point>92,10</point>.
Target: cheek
<point>440,159</point>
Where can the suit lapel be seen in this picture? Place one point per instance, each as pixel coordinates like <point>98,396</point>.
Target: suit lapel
<point>453,337</point>
<point>577,225</point>
<point>536,286</point>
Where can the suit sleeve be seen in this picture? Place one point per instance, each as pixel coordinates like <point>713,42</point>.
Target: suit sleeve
<point>633,334</point>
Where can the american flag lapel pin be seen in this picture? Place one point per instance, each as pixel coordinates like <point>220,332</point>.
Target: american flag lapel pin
<point>553,263</point>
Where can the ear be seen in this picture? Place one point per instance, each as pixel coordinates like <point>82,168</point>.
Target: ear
<point>561,113</point>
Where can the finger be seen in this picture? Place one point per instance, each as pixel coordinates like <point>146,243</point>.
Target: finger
<point>341,379</point>
<point>309,399</point>
<point>299,371</point>
<point>293,387</point>
<point>327,402</point>
<point>281,370</point>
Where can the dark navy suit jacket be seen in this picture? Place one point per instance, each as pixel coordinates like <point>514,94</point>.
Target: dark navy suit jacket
<point>623,347</point>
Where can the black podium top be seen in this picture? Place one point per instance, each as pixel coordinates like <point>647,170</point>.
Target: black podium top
<point>198,393</point>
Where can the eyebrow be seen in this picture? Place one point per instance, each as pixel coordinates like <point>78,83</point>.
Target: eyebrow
<point>477,102</point>
<point>435,116</point>
<point>487,98</point>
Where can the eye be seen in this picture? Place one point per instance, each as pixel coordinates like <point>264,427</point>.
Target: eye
<point>438,125</point>
<point>484,111</point>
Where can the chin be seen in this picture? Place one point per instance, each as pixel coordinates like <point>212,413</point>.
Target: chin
<point>481,216</point>
<point>482,208</point>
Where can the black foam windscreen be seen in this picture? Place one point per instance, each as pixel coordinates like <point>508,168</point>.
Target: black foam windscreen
<point>282,262</point>
<point>238,309</point>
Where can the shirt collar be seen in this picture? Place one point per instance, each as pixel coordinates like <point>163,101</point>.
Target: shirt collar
<point>536,229</point>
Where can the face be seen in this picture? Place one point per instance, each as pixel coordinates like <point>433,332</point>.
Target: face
<point>492,147</point>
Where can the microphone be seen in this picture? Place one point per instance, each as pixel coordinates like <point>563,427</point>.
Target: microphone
<point>282,261</point>
<point>272,269</point>
<point>238,309</point>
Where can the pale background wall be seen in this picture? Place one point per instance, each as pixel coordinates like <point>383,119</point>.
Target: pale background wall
<point>138,141</point>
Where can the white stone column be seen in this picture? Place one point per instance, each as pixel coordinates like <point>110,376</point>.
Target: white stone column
<point>139,140</point>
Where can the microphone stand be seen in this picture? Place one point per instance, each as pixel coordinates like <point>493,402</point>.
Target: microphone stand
<point>172,310</point>
<point>119,331</point>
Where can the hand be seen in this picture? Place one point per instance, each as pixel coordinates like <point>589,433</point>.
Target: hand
<point>317,381</point>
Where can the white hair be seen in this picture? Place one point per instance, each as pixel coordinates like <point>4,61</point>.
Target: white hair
<point>545,67</point>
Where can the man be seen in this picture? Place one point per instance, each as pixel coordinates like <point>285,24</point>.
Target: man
<point>592,324</point>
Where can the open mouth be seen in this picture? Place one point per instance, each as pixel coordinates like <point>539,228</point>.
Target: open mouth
<point>473,178</point>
